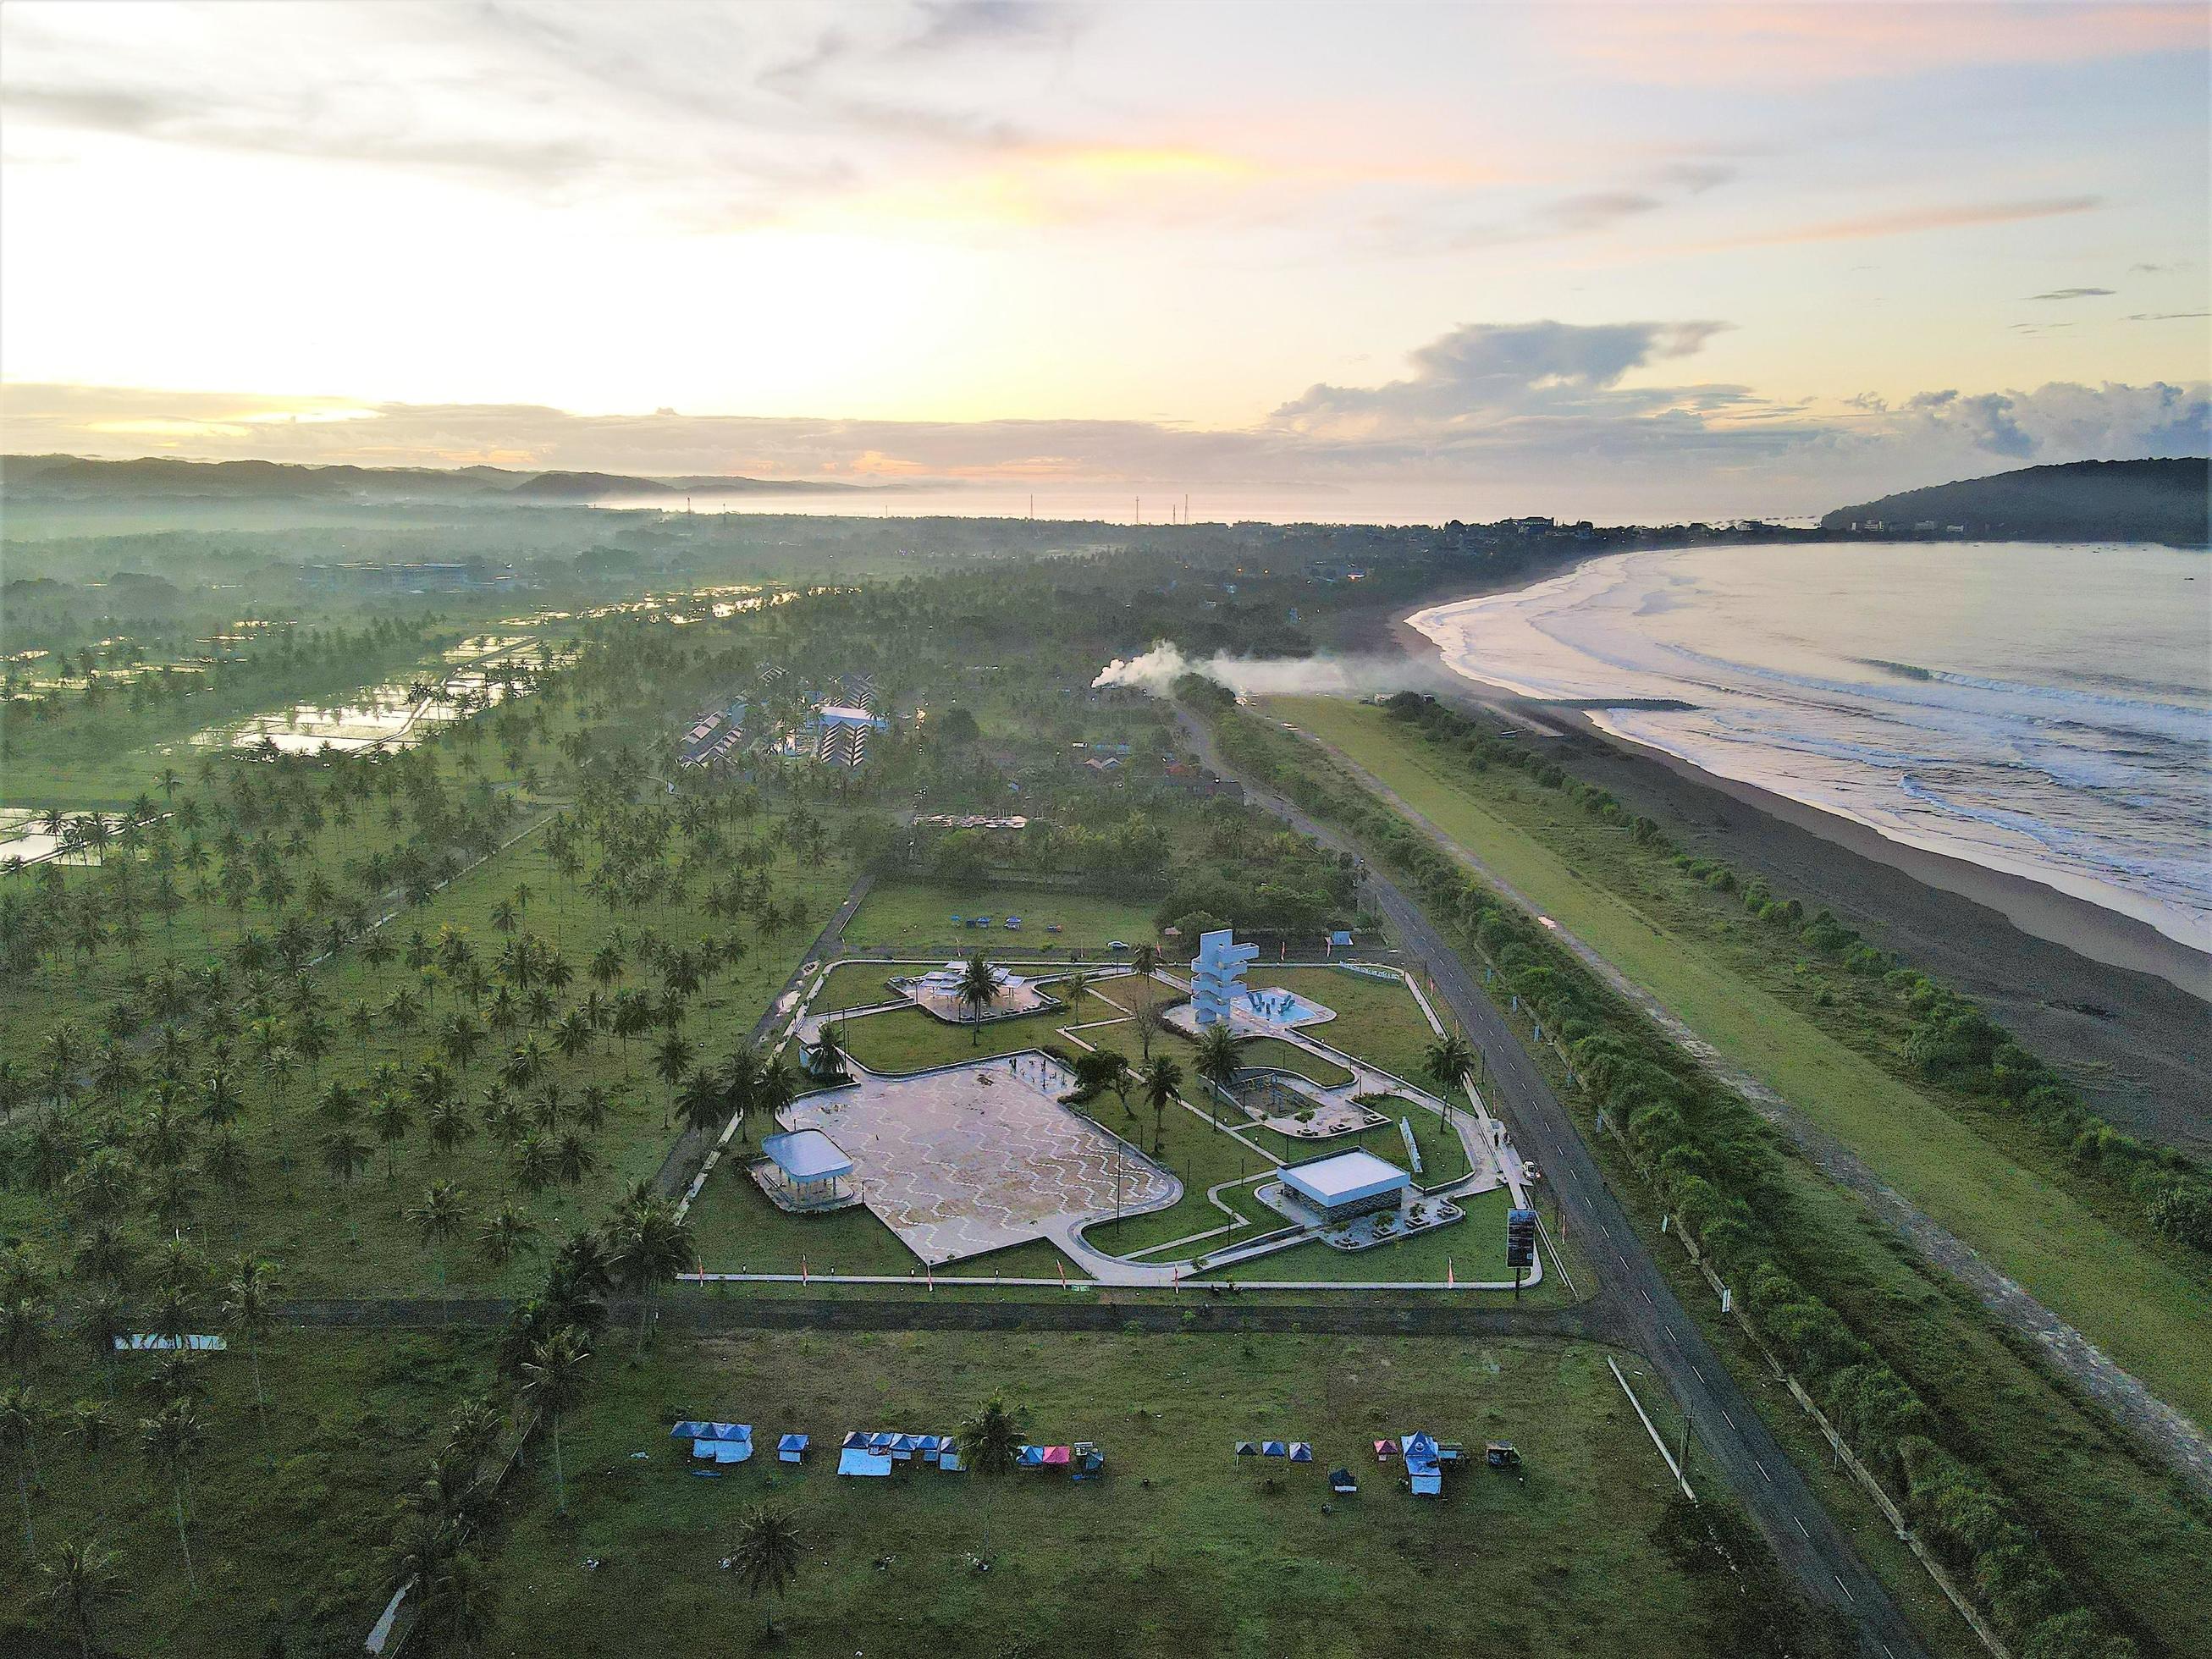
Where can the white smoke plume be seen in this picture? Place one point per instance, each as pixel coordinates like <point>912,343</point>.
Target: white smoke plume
<point>1159,668</point>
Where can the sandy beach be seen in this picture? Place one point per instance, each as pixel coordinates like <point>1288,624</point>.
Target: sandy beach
<point>2126,1011</point>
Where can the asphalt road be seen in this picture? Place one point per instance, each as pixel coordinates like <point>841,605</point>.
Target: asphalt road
<point>1649,1315</point>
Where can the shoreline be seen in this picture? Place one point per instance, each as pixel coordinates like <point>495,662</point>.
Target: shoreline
<point>2108,937</point>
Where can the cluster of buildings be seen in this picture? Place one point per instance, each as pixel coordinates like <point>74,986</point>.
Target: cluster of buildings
<point>839,718</point>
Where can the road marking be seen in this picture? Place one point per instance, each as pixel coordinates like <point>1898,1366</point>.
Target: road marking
<point>1646,1295</point>
<point>1731,1421</point>
<point>1800,1526</point>
<point>1672,1337</point>
<point>1846,1589</point>
<point>1762,1469</point>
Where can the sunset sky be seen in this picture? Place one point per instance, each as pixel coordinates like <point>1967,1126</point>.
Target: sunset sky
<point>1622,261</point>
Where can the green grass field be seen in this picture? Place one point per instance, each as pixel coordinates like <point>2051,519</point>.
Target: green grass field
<point>1182,1550</point>
<point>1376,1020</point>
<point>915,916</point>
<point>288,1529</point>
<point>2150,1316</point>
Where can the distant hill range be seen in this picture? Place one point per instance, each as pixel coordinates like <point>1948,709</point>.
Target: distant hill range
<point>65,478</point>
<point>2167,500</point>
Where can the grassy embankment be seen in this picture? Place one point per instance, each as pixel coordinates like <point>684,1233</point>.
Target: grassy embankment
<point>2150,1315</point>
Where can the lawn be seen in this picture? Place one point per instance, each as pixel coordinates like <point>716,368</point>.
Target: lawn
<point>1182,1550</point>
<point>857,985</point>
<point>916,917</point>
<point>2150,1316</point>
<point>1289,1057</point>
<point>910,1040</point>
<point>1472,1248</point>
<point>1376,1020</point>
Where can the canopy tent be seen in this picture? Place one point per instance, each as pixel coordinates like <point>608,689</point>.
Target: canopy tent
<point>1058,1457</point>
<point>1246,1449</point>
<point>1427,1482</point>
<point>860,1460</point>
<point>855,1438</point>
<point>1385,1450</point>
<point>949,1460</point>
<point>790,1448</point>
<point>1340,1481</point>
<point>722,1451</point>
<point>1274,1448</point>
<point>1301,1452</point>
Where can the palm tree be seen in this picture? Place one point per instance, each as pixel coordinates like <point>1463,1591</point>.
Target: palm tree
<point>766,1556</point>
<point>1220,1057</point>
<point>390,1114</point>
<point>1146,958</point>
<point>506,1232</point>
<point>169,1441</point>
<point>977,990</point>
<point>1447,1061</point>
<point>22,1416</point>
<point>438,1221</point>
<point>248,1311</point>
<point>1159,1081</point>
<point>73,1583</point>
<point>650,1245</point>
<point>670,1061</point>
<point>990,1440</point>
<point>553,1379</point>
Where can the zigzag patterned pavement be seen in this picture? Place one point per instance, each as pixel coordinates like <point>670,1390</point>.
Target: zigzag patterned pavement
<point>961,1161</point>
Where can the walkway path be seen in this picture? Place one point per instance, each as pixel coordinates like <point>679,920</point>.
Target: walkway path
<point>2174,1438</point>
<point>1224,1311</point>
<point>1811,1547</point>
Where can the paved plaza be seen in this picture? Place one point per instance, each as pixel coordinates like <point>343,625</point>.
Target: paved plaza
<point>978,1157</point>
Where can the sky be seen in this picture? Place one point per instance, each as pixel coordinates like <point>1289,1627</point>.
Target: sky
<point>1629,261</point>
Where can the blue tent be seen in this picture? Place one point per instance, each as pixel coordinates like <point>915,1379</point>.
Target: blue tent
<point>1029,1457</point>
<point>1301,1452</point>
<point>882,1440</point>
<point>691,1430</point>
<point>1274,1448</point>
<point>929,1445</point>
<point>790,1448</point>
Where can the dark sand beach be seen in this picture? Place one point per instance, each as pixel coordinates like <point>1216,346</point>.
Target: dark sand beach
<point>2098,994</point>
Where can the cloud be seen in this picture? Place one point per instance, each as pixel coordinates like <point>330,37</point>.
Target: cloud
<point>1734,42</point>
<point>1908,221</point>
<point>2163,316</point>
<point>1541,417</point>
<point>2074,293</point>
<point>1488,372</point>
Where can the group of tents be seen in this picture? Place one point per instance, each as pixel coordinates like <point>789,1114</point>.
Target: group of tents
<point>1423,1454</point>
<point>875,1455</point>
<point>732,1443</point>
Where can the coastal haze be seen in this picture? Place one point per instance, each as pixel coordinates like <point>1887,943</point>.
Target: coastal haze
<point>2042,710</point>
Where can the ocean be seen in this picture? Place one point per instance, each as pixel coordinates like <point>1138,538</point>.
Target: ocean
<point>2042,710</point>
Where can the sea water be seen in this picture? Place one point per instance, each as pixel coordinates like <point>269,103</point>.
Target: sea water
<point>2044,710</point>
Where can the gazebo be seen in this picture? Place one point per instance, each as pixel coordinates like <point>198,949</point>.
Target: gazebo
<point>810,1165</point>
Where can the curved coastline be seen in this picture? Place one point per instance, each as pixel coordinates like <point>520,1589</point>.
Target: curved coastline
<point>2100,934</point>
